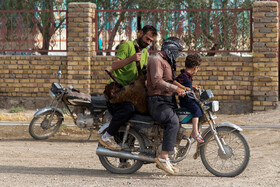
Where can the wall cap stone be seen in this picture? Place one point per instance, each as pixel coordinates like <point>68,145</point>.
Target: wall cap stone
<point>82,4</point>
<point>265,3</point>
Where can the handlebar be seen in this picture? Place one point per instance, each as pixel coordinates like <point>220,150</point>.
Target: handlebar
<point>187,93</point>
<point>192,95</point>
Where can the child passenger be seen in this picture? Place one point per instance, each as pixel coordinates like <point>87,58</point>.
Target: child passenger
<point>192,63</point>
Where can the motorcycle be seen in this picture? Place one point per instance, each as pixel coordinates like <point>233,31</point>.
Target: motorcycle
<point>87,112</point>
<point>224,153</point>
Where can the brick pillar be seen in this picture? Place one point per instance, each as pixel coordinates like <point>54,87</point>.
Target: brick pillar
<point>80,44</point>
<point>265,55</point>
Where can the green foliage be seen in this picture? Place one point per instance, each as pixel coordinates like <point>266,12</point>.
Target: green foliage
<point>169,4</point>
<point>32,4</point>
<point>225,37</point>
<point>43,18</point>
<point>44,24</point>
<point>16,109</point>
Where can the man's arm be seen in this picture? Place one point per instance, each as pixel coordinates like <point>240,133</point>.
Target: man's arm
<point>118,63</point>
<point>181,86</point>
<point>156,72</point>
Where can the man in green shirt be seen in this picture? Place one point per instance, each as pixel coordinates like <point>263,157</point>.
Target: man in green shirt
<point>129,72</point>
<point>125,70</point>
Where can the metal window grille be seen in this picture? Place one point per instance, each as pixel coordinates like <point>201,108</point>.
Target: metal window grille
<point>202,30</point>
<point>30,31</point>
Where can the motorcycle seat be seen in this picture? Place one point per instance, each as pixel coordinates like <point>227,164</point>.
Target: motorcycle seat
<point>182,111</point>
<point>98,101</point>
<point>138,118</point>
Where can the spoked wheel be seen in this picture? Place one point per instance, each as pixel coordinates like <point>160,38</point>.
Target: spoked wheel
<point>237,153</point>
<point>45,125</point>
<point>133,145</point>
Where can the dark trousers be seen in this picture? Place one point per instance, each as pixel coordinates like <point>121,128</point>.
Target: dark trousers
<point>161,109</point>
<point>191,106</point>
<point>121,113</point>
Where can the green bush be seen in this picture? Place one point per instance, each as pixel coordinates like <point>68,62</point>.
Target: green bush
<point>16,109</point>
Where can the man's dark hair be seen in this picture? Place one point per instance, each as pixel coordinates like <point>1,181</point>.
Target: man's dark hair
<point>148,28</point>
<point>192,60</point>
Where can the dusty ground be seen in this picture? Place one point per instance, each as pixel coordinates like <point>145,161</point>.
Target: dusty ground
<point>67,160</point>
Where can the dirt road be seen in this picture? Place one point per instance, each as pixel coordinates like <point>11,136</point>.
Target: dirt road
<point>66,160</point>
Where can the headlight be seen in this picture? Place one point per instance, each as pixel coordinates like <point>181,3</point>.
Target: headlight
<point>51,94</point>
<point>56,88</point>
<point>212,105</point>
<point>207,94</point>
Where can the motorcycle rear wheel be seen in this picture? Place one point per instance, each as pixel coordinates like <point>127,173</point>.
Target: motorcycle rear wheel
<point>124,166</point>
<point>237,153</point>
<point>41,127</point>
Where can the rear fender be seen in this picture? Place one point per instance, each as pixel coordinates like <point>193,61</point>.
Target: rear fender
<point>48,109</point>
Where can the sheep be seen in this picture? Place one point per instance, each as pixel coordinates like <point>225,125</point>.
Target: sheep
<point>135,92</point>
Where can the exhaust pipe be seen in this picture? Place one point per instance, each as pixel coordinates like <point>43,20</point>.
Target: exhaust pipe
<point>101,151</point>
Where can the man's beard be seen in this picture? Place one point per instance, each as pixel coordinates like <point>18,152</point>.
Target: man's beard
<point>141,43</point>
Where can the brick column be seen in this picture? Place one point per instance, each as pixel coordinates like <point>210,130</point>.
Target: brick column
<point>80,44</point>
<point>265,55</point>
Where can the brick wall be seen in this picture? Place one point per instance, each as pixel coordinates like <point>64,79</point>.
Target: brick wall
<point>25,80</point>
<point>99,77</point>
<point>241,84</point>
<point>230,78</point>
<point>265,59</point>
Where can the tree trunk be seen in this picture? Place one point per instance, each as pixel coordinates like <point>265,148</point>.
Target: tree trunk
<point>114,32</point>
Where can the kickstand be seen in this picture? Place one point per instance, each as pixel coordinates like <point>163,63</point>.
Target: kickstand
<point>91,131</point>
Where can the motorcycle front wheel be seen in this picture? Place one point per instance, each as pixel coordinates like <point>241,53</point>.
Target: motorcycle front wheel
<point>45,125</point>
<point>237,154</point>
<point>133,145</point>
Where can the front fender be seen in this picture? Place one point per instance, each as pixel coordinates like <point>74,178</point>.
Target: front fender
<point>223,124</point>
<point>216,125</point>
<point>47,109</point>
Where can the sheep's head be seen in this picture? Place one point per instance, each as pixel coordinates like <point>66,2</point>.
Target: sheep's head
<point>111,89</point>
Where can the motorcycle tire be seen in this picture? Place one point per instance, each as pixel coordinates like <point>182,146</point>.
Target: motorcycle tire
<point>124,166</point>
<point>237,154</point>
<point>41,130</point>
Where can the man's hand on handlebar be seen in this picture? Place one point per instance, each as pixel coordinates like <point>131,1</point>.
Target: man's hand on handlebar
<point>196,87</point>
<point>180,91</point>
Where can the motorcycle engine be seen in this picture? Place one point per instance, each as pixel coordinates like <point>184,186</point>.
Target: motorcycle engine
<point>84,119</point>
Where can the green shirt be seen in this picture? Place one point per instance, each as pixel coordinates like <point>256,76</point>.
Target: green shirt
<point>129,72</point>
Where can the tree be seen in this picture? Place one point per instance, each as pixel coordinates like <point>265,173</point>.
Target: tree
<point>224,24</point>
<point>194,33</point>
<point>43,22</point>
<point>198,33</point>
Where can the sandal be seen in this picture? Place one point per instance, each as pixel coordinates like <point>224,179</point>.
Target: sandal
<point>198,138</point>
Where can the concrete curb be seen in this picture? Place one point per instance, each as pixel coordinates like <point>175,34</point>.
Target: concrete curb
<point>260,126</point>
<point>17,123</point>
<point>250,126</point>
